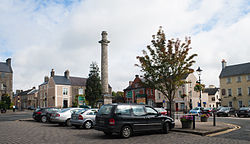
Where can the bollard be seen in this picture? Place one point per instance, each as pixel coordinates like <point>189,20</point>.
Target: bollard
<point>193,121</point>
<point>214,119</point>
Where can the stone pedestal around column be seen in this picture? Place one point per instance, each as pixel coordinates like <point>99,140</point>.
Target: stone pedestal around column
<point>107,99</point>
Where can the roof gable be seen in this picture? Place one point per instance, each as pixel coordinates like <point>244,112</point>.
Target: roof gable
<point>234,70</point>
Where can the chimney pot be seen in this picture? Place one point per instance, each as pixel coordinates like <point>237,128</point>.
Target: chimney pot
<point>224,63</point>
<point>52,73</point>
<point>66,74</point>
<point>137,76</point>
<point>8,61</point>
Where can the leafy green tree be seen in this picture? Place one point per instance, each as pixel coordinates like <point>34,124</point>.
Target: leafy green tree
<point>118,97</point>
<point>165,64</point>
<point>93,85</point>
<point>5,102</point>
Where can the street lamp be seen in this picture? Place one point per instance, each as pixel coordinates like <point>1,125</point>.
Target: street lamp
<point>199,73</point>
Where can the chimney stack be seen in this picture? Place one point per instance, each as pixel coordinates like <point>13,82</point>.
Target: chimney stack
<point>8,61</point>
<point>52,73</point>
<point>224,64</point>
<point>136,76</point>
<point>46,79</point>
<point>66,74</point>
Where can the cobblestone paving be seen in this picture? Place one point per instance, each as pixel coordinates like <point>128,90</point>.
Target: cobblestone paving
<point>30,132</point>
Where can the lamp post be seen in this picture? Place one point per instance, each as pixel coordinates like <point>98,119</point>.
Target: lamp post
<point>199,73</point>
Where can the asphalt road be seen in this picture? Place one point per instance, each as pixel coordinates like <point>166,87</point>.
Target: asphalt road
<point>241,134</point>
<point>13,116</point>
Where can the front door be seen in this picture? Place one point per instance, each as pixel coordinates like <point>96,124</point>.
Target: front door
<point>65,103</point>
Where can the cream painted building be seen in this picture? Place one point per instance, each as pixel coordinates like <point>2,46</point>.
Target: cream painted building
<point>235,85</point>
<point>191,99</point>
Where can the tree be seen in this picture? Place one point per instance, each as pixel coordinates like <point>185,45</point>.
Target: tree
<point>5,102</point>
<point>166,64</point>
<point>93,85</point>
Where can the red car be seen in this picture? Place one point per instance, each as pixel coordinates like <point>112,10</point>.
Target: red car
<point>162,111</point>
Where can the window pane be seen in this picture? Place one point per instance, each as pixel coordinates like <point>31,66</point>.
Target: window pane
<point>138,110</point>
<point>151,111</point>
<point>123,110</point>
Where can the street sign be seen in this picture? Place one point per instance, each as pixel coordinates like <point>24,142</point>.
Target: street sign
<point>81,100</point>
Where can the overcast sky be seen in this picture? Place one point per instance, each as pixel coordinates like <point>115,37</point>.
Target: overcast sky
<point>43,34</point>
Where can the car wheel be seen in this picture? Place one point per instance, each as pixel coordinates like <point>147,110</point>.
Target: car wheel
<point>68,123</point>
<point>88,124</point>
<point>44,119</point>
<point>126,132</point>
<point>165,128</point>
<point>108,133</point>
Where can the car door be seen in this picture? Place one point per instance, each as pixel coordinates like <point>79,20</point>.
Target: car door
<point>139,118</point>
<point>154,120</point>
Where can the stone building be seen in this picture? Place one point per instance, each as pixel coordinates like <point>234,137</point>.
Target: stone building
<point>27,98</point>
<point>235,85</point>
<point>60,91</point>
<point>6,78</point>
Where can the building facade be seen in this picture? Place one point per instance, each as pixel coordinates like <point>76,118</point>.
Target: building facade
<point>214,98</point>
<point>27,98</point>
<point>136,93</point>
<point>61,91</point>
<point>235,85</point>
<point>6,79</point>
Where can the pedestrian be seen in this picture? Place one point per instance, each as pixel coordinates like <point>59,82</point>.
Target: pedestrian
<point>14,108</point>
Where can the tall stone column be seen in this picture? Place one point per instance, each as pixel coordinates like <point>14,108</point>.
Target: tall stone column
<point>104,68</point>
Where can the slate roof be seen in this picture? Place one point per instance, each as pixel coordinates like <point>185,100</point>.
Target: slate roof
<point>211,91</point>
<point>61,80</point>
<point>234,70</point>
<point>24,92</point>
<point>5,68</point>
<point>77,81</point>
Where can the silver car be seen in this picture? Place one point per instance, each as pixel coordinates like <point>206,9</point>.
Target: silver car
<point>84,118</point>
<point>63,117</point>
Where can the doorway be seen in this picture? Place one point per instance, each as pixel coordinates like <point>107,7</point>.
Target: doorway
<point>65,103</point>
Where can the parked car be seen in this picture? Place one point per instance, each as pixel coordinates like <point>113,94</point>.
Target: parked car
<point>40,114</point>
<point>84,118</point>
<point>49,112</point>
<point>196,110</point>
<point>126,119</point>
<point>162,111</point>
<point>63,116</point>
<point>244,111</point>
<point>31,108</point>
<point>208,111</point>
<point>226,111</point>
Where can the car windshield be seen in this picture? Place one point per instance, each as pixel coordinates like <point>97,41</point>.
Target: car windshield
<point>207,108</point>
<point>105,110</point>
<point>160,109</point>
<point>81,111</point>
<point>64,110</point>
<point>224,108</point>
<point>245,108</point>
<point>196,108</point>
